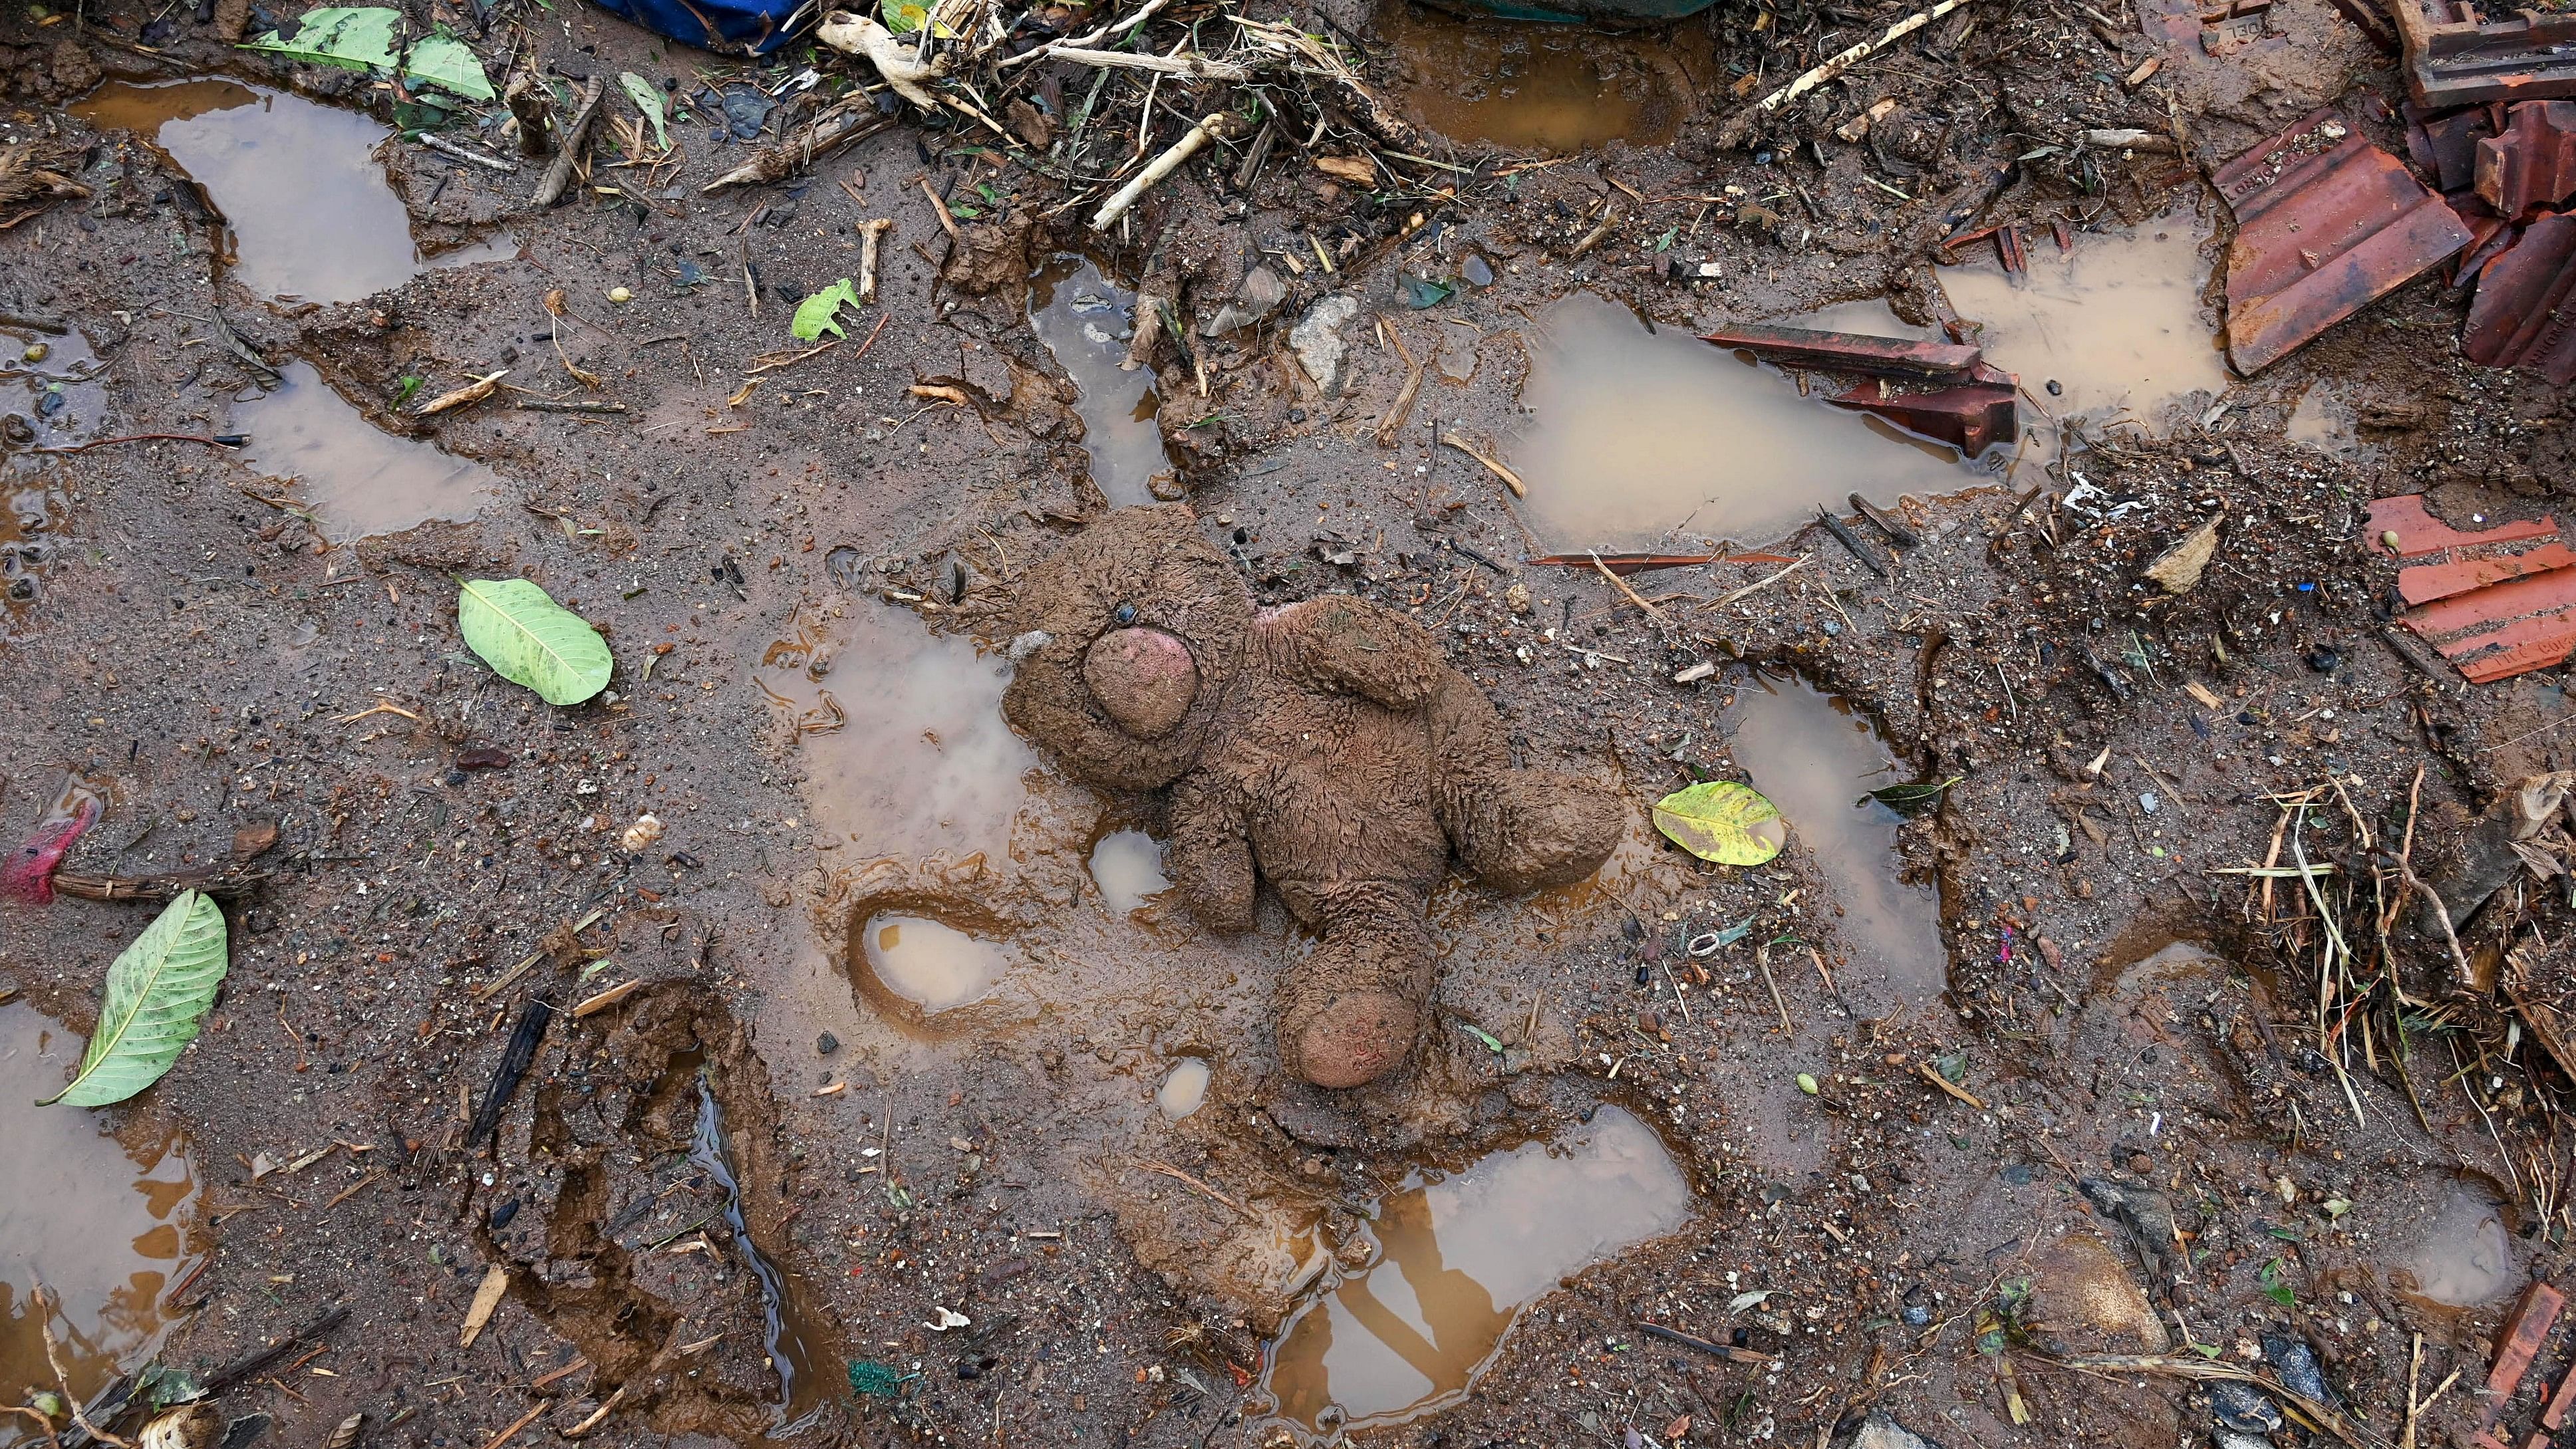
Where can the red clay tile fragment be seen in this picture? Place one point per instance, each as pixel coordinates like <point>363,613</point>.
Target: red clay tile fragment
<point>2327,223</point>
<point>2532,162</point>
<point>1850,351</point>
<point>2425,583</point>
<point>2541,642</point>
<point>2455,60</point>
<point>2520,1343</point>
<point>1971,417</point>
<point>2419,533</point>
<point>2524,314</point>
<point>2556,1413</point>
<point>2543,594</point>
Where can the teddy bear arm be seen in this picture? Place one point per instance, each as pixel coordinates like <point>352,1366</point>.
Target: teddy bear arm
<point>1348,644</point>
<point>1516,829</point>
<point>1210,855</point>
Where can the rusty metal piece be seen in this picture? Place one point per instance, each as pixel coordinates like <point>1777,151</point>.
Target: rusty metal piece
<point>2455,59</point>
<point>2426,583</point>
<point>2327,223</point>
<point>2532,161</point>
<point>1971,417</point>
<point>2524,314</point>
<point>2421,535</point>
<point>1850,351</point>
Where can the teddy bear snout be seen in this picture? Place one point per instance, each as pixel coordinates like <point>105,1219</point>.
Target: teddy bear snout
<point>1144,678</point>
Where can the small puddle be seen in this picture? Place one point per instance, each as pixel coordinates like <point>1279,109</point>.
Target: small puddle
<point>1641,434</point>
<point>355,479</point>
<point>1532,85</point>
<point>906,751</point>
<point>930,964</point>
<point>1085,320</point>
<point>2326,420</point>
<point>310,212</point>
<point>1127,865</point>
<point>2465,1256</point>
<point>802,1389</point>
<point>1458,1258</point>
<point>1817,759</point>
<point>1184,1088</point>
<point>104,1224</point>
<point>2114,329</point>
<point>56,394</point>
<point>27,544</point>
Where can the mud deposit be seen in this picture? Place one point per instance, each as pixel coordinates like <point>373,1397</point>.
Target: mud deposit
<point>1453,1261</point>
<point>1534,85</point>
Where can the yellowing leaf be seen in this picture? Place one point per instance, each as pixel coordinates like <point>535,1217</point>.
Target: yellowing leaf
<point>530,639</point>
<point>157,993</point>
<point>1722,821</point>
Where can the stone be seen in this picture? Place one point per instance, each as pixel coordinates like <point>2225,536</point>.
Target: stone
<point>1878,1431</point>
<point>1317,339</point>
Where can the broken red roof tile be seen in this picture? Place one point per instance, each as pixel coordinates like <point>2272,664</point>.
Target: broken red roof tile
<point>2520,647</point>
<point>2512,599</point>
<point>1971,417</point>
<point>2518,1345</point>
<point>2327,223</point>
<point>2425,583</point>
<point>2447,145</point>
<point>2419,533</point>
<point>2453,58</point>
<point>2532,161</point>
<point>1849,351</point>
<point>2523,314</point>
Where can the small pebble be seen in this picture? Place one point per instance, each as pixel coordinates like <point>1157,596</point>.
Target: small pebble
<point>36,352</point>
<point>827,1043</point>
<point>2141,1164</point>
<point>620,294</point>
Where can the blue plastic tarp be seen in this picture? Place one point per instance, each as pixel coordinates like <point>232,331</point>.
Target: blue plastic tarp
<point>731,27</point>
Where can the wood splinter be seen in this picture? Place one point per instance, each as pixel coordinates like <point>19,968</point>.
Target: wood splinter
<point>870,233</point>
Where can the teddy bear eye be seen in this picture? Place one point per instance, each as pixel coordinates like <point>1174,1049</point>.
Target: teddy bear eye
<point>1123,615</point>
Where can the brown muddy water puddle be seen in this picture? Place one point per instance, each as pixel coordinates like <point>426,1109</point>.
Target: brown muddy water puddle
<point>354,479</point>
<point>1184,1088</point>
<point>1456,1259</point>
<point>1127,865</point>
<point>1817,758</point>
<point>1532,85</point>
<point>1643,434</point>
<point>931,965</point>
<point>2464,1256</point>
<point>2113,330</point>
<point>105,1224</point>
<point>2325,419</point>
<point>306,202</point>
<point>1085,320</point>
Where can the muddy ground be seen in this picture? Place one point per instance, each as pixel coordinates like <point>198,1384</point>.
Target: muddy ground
<point>2158,1124</point>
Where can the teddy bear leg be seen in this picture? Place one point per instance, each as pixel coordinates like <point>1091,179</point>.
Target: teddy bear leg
<point>1518,830</point>
<point>1349,1009</point>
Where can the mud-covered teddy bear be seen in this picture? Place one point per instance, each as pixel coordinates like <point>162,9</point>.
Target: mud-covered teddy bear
<point>1325,746</point>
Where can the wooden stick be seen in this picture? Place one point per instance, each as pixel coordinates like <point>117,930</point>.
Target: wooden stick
<point>1510,479</point>
<point>870,234</point>
<point>1758,585</point>
<point>446,147</point>
<point>559,173</point>
<point>1946,1085</point>
<point>947,223</point>
<point>1741,123</point>
<point>1634,597</point>
<point>1198,66</point>
<point>1155,170</point>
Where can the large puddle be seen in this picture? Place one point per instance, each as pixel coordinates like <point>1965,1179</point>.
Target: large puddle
<point>1647,433</point>
<point>1818,759</point>
<point>1085,320</point>
<point>906,752</point>
<point>103,1224</point>
<point>2114,329</point>
<point>310,212</point>
<point>1532,85</point>
<point>354,479</point>
<point>1457,1259</point>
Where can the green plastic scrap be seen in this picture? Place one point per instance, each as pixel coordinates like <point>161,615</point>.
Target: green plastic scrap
<point>877,1380</point>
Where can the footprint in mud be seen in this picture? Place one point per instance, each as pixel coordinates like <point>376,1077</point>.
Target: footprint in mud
<point>352,478</point>
<point>1456,1260</point>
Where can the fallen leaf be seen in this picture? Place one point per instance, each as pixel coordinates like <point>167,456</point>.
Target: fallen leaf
<point>1722,821</point>
<point>487,1297</point>
<point>530,639</point>
<point>157,994</point>
<point>648,99</point>
<point>815,315</point>
<point>361,37</point>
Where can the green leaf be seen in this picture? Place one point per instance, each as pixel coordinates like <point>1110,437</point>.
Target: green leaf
<point>1422,292</point>
<point>648,99</point>
<point>903,16</point>
<point>1807,1083</point>
<point>1909,799</point>
<point>815,315</point>
<point>157,993</point>
<point>1722,821</point>
<point>362,37</point>
<point>410,384</point>
<point>530,639</point>
<point>2274,1287</point>
<point>1482,1035</point>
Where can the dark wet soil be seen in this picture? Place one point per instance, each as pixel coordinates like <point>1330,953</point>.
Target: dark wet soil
<point>1906,1117</point>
